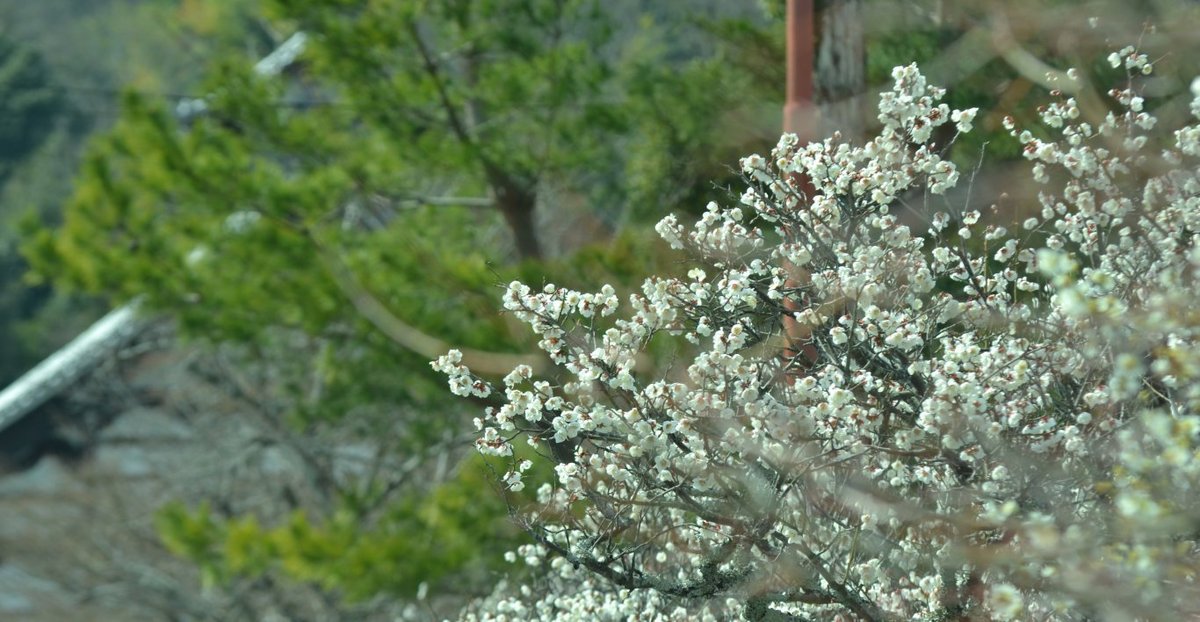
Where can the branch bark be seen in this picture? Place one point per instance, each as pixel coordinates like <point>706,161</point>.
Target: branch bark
<point>412,338</point>
<point>516,200</point>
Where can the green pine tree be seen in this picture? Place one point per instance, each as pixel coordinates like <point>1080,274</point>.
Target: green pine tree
<point>350,219</point>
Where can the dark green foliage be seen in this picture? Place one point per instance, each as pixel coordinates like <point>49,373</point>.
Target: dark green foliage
<point>35,118</point>
<point>30,104</point>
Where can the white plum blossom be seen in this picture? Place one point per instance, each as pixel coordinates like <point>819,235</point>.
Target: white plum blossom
<point>841,414</point>
<point>1006,602</point>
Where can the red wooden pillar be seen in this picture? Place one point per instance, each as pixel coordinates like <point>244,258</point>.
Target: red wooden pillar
<point>798,109</point>
<point>799,117</point>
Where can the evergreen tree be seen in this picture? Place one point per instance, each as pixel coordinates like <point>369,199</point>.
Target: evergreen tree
<point>32,108</point>
<point>346,221</point>
<point>30,103</point>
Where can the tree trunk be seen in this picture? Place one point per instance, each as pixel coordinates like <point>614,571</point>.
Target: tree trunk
<point>517,203</point>
<point>840,68</point>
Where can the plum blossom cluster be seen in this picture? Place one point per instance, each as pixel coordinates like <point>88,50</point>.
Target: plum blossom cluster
<point>572,593</point>
<point>868,401</point>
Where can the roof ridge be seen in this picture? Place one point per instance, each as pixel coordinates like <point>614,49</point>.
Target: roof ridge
<point>69,363</point>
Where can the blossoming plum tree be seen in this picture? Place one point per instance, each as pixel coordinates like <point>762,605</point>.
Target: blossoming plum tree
<point>984,422</point>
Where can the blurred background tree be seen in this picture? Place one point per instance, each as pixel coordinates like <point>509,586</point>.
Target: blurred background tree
<point>34,111</point>
<point>63,64</point>
<point>348,220</point>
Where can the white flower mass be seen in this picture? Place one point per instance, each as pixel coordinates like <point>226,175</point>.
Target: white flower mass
<point>871,420</point>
